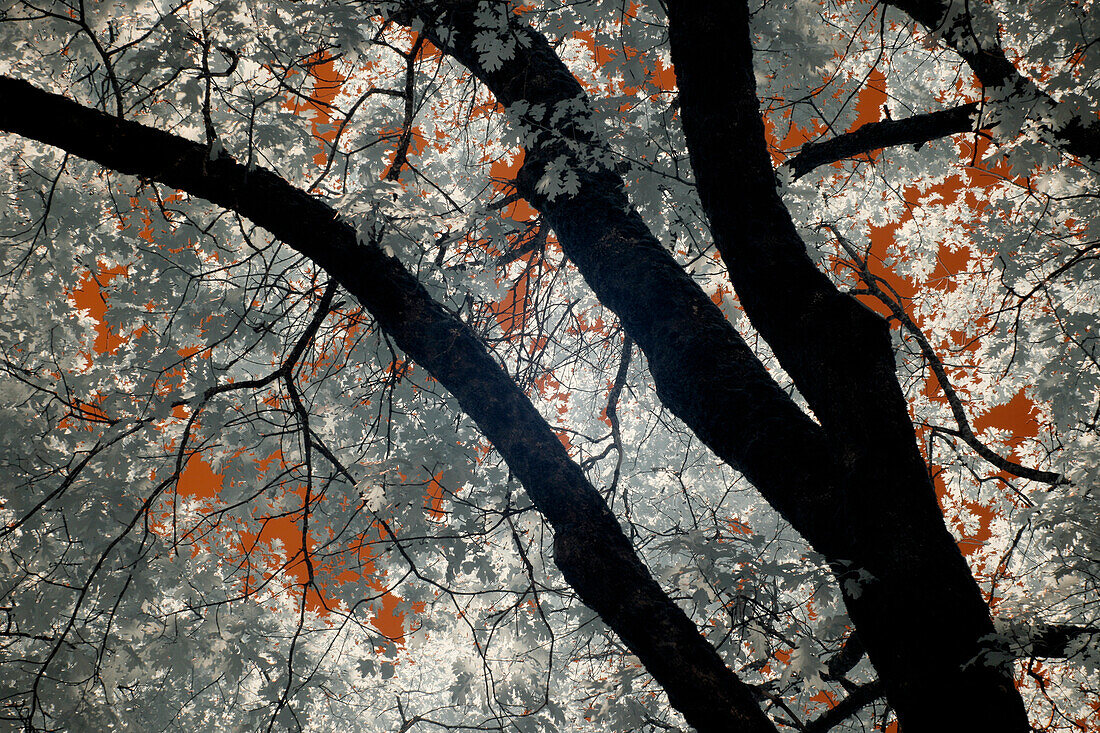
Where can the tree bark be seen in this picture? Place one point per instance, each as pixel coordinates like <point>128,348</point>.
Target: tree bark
<point>921,617</point>
<point>594,555</point>
<point>867,503</point>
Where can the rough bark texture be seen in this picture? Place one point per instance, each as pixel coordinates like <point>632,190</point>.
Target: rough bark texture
<point>590,547</point>
<point>922,618</point>
<point>865,499</point>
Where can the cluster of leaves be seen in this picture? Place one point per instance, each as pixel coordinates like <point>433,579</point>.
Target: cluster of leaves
<point>230,502</point>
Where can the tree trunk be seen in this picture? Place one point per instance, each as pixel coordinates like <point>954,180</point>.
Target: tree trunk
<point>922,617</point>
<point>858,490</point>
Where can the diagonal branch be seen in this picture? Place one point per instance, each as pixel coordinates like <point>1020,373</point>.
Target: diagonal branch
<point>845,660</point>
<point>964,431</point>
<point>916,130</point>
<point>1052,641</point>
<point>590,548</point>
<point>857,699</point>
<point>922,618</point>
<point>866,501</point>
<point>954,23</point>
<point>704,371</point>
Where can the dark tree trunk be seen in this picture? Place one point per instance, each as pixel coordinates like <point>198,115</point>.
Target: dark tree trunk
<point>922,617</point>
<point>858,490</point>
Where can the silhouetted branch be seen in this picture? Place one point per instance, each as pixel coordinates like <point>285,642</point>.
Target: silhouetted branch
<point>964,431</point>
<point>916,130</point>
<point>590,548</point>
<point>1077,131</point>
<point>848,657</point>
<point>857,699</point>
<point>1052,641</point>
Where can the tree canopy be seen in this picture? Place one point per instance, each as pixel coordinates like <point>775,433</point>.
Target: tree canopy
<point>601,365</point>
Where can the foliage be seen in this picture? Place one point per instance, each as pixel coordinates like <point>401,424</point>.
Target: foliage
<point>230,501</point>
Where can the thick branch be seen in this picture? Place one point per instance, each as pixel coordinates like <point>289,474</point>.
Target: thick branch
<point>922,617</point>
<point>916,130</point>
<point>952,22</point>
<point>847,658</point>
<point>1054,641</point>
<point>595,556</point>
<point>857,699</point>
<point>703,370</point>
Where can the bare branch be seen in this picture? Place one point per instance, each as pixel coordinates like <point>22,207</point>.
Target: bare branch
<point>916,130</point>
<point>952,23</point>
<point>964,431</point>
<point>857,699</point>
